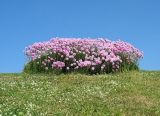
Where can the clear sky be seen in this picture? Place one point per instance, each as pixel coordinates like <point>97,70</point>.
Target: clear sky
<point>23,22</point>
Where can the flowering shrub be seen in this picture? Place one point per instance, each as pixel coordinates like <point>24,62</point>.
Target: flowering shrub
<point>82,55</point>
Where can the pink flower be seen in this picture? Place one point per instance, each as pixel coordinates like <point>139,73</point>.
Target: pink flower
<point>76,67</point>
<point>67,68</point>
<point>98,61</point>
<point>93,68</point>
<point>43,62</point>
<point>84,63</point>
<point>67,58</point>
<point>58,64</point>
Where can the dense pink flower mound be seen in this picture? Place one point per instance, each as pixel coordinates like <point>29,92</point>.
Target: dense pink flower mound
<point>76,53</point>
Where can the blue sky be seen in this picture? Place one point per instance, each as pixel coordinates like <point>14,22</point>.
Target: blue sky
<point>23,22</point>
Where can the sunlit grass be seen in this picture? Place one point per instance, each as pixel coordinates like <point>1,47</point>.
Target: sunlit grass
<point>128,93</point>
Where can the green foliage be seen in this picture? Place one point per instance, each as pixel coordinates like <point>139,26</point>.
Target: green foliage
<point>35,66</point>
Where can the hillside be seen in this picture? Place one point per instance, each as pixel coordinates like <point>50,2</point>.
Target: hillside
<point>129,93</point>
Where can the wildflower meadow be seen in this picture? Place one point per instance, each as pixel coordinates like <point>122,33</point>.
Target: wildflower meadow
<point>82,55</point>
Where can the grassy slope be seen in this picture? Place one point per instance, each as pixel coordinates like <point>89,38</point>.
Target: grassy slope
<point>129,93</point>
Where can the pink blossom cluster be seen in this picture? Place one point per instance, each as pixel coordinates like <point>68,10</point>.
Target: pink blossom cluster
<point>58,64</point>
<point>77,53</point>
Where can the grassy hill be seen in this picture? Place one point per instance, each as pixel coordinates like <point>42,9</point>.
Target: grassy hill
<point>129,93</point>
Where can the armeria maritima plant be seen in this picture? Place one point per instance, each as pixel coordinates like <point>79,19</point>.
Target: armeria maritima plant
<point>81,55</point>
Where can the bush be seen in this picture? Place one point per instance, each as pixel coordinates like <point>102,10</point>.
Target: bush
<point>62,55</point>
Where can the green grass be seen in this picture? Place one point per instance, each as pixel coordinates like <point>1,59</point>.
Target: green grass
<point>130,93</point>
